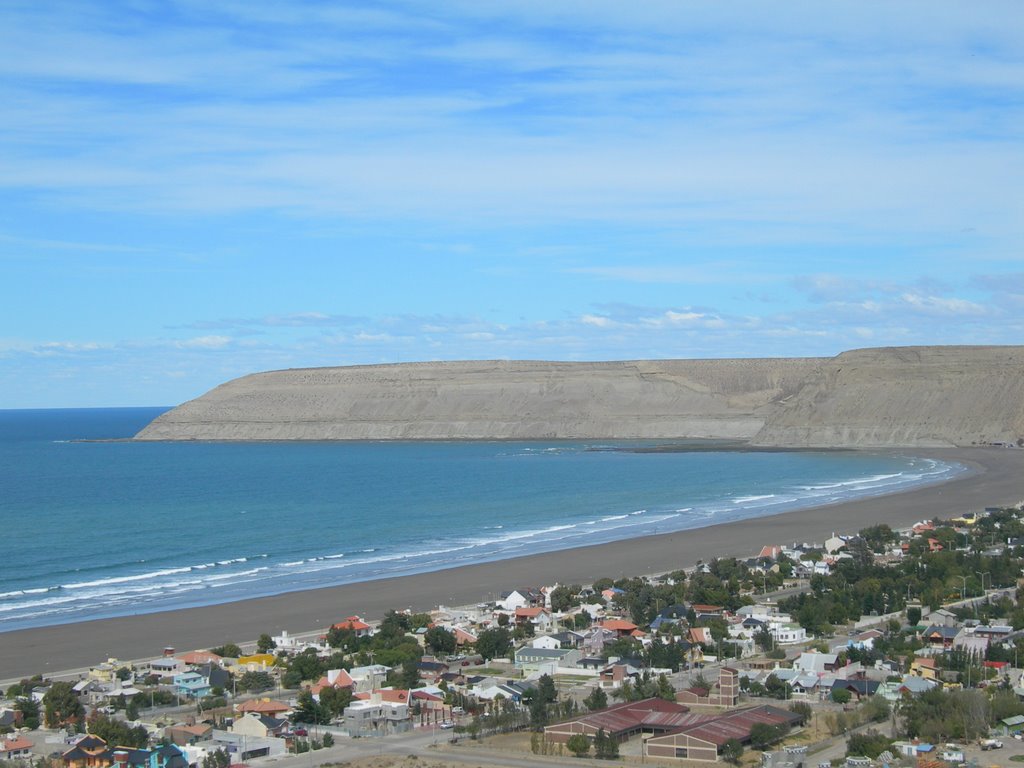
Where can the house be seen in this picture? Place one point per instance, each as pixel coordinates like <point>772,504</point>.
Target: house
<point>788,634</point>
<point>381,713</point>
<point>971,641</point>
<point>259,726</point>
<point>93,752</point>
<point>198,658</point>
<point>915,686</point>
<point>834,544</point>
<point>88,752</point>
<point>191,684</point>
<point>700,636</point>
<point>263,707</point>
<point>215,675</point>
<point>994,633</point>
<point>596,639</point>
<point>539,617</point>
<point>533,659</point>
<point>613,676</point>
<point>165,666</point>
<point>940,637</point>
<point>704,612</point>
<point>816,663</point>
<point>368,678</point>
<point>612,593</point>
<point>859,689</point>
<point>429,669</point>
<point>335,678</point>
<point>256,662</point>
<point>14,746</point>
<point>924,667</point>
<point>669,616</point>
<point>464,636</point>
<point>519,598</point>
<point>620,627</point>
<point>864,641</point>
<point>568,639</point>
<point>355,625</point>
<point>546,641</point>
<point>185,735</point>
<point>942,617</point>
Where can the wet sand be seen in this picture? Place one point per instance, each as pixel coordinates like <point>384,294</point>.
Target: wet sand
<point>997,478</point>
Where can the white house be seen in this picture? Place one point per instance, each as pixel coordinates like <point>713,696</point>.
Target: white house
<point>545,641</point>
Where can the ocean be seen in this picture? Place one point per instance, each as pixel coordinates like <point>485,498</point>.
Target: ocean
<point>100,529</point>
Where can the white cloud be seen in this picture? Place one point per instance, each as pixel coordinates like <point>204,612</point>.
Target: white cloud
<point>940,305</point>
<point>597,321</point>
<point>204,342</point>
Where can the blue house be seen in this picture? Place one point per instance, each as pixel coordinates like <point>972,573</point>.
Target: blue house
<point>191,684</point>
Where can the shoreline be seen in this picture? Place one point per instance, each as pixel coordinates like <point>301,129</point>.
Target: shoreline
<point>996,478</point>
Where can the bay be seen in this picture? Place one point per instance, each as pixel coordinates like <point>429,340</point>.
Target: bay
<point>100,529</point>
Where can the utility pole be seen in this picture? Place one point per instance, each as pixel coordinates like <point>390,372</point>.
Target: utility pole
<point>963,588</point>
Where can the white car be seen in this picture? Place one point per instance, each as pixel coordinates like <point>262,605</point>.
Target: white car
<point>447,724</point>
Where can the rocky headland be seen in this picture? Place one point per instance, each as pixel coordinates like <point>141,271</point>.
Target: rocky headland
<point>884,397</point>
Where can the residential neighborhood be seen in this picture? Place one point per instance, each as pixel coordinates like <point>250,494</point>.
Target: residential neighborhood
<point>884,646</point>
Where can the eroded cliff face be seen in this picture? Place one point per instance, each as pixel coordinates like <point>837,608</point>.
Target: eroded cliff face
<point>491,400</point>
<point>912,396</point>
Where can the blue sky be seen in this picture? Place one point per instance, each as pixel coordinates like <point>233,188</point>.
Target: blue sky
<point>193,191</point>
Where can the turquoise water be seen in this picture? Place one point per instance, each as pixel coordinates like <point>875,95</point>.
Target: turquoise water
<point>98,529</point>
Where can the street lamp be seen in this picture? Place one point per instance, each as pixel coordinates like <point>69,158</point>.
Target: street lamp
<point>983,574</point>
<point>963,588</point>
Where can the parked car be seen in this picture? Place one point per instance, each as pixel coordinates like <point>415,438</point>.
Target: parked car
<point>447,724</point>
<point>300,732</point>
<point>991,744</point>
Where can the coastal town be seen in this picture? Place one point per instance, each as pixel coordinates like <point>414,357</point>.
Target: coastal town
<point>877,648</point>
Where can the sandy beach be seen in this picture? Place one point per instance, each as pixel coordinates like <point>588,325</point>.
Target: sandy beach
<point>997,478</point>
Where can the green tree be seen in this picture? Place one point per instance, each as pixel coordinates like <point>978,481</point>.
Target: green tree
<point>494,643</point>
<point>563,598</point>
<point>217,759</point>
<point>578,744</point>
<point>546,690</point>
<point>265,644</point>
<point>440,640</point>
<point>841,696</point>
<point>804,710</point>
<point>131,711</point>
<point>335,700</point>
<point>665,689</point>
<point>118,732</point>
<point>303,666</point>
<point>600,744</point>
<point>228,650</point>
<point>61,705</point>
<point>309,710</point>
<point>255,682</point>
<point>29,709</point>
<point>328,740</point>
<point>763,734</point>
<point>869,743</point>
<point>609,747</point>
<point>913,616</point>
<point>732,751</point>
<point>597,699</point>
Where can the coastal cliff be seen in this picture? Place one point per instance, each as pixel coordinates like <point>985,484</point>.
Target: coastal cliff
<point>911,396</point>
